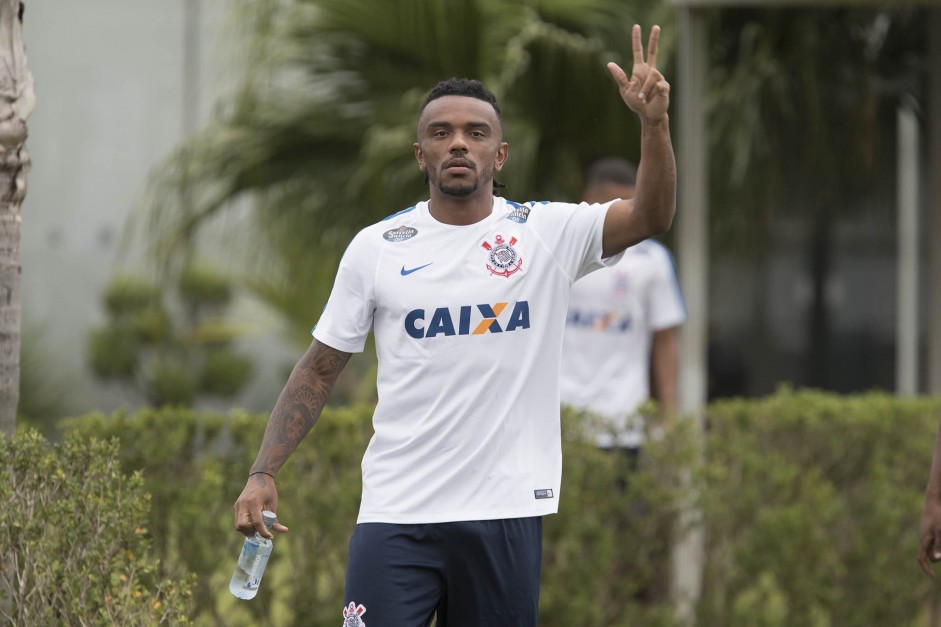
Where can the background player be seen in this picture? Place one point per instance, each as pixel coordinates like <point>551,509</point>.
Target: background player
<point>621,343</point>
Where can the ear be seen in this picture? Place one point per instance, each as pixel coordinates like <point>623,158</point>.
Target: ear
<point>502,153</point>
<point>419,156</point>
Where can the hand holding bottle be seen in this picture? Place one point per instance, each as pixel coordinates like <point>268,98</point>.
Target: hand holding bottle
<point>259,493</point>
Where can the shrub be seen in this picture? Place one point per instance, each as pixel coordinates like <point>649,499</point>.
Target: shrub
<point>170,347</point>
<point>73,539</point>
<point>810,503</point>
<point>195,466</point>
<point>606,554</point>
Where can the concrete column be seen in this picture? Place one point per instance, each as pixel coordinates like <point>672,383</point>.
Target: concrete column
<point>934,201</point>
<point>908,257</point>
<point>693,260</point>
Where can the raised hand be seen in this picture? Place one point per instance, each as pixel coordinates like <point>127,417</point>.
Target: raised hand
<point>646,92</point>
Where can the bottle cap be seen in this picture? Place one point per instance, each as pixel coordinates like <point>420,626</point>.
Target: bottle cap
<point>270,518</point>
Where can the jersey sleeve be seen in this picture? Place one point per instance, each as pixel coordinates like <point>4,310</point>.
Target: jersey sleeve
<point>348,316</point>
<point>573,232</point>
<point>667,308</point>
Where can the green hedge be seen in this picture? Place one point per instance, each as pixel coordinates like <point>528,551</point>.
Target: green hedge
<point>195,466</point>
<point>810,502</point>
<point>73,539</point>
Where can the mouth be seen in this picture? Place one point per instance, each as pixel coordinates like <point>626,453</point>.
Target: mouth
<point>458,165</point>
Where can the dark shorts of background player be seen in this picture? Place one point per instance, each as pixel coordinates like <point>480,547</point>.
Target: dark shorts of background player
<point>631,456</point>
<point>468,573</point>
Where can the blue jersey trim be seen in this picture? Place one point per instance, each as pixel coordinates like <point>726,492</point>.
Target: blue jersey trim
<point>398,213</point>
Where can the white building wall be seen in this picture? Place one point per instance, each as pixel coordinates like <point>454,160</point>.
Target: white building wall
<point>110,107</point>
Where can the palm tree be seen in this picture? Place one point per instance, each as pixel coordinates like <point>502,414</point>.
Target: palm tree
<point>802,109</point>
<point>16,102</point>
<point>320,133</point>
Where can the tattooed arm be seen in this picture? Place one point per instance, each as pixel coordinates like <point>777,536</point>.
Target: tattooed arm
<point>294,415</point>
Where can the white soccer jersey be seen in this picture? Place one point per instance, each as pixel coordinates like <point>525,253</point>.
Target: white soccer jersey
<point>468,323</point>
<point>606,350</point>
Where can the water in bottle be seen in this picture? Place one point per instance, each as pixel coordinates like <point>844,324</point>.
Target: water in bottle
<point>252,561</point>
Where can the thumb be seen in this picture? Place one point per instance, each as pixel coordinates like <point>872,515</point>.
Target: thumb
<point>619,76</point>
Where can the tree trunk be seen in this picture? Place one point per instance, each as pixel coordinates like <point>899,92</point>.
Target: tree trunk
<point>16,103</point>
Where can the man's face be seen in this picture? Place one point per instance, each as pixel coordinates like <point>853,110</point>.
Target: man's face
<point>460,145</point>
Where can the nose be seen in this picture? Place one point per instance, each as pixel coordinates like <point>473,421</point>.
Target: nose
<point>458,142</point>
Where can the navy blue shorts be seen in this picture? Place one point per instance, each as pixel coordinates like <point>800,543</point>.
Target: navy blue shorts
<point>470,574</point>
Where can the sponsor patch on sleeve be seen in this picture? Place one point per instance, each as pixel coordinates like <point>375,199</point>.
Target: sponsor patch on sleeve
<point>519,214</point>
<point>400,234</point>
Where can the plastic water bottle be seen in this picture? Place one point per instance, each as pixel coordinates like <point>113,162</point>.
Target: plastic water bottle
<point>252,561</point>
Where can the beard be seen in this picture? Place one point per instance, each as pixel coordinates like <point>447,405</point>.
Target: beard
<point>459,189</point>
<point>455,191</point>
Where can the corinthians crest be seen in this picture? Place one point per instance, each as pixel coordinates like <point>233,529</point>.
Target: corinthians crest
<point>503,259</point>
<point>352,614</point>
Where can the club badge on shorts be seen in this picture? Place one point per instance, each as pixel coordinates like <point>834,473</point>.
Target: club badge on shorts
<point>352,614</point>
<point>502,259</point>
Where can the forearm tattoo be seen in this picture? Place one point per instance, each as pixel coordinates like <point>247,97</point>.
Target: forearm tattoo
<point>299,405</point>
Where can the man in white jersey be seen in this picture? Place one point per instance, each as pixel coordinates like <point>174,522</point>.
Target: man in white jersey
<point>466,294</point>
<point>621,335</point>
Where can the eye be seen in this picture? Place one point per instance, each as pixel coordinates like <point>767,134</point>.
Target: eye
<point>440,133</point>
<point>478,134</point>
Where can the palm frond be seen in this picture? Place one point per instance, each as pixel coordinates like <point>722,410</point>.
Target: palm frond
<point>318,136</point>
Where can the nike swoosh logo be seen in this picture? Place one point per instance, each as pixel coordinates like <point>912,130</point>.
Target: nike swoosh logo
<point>405,272</point>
